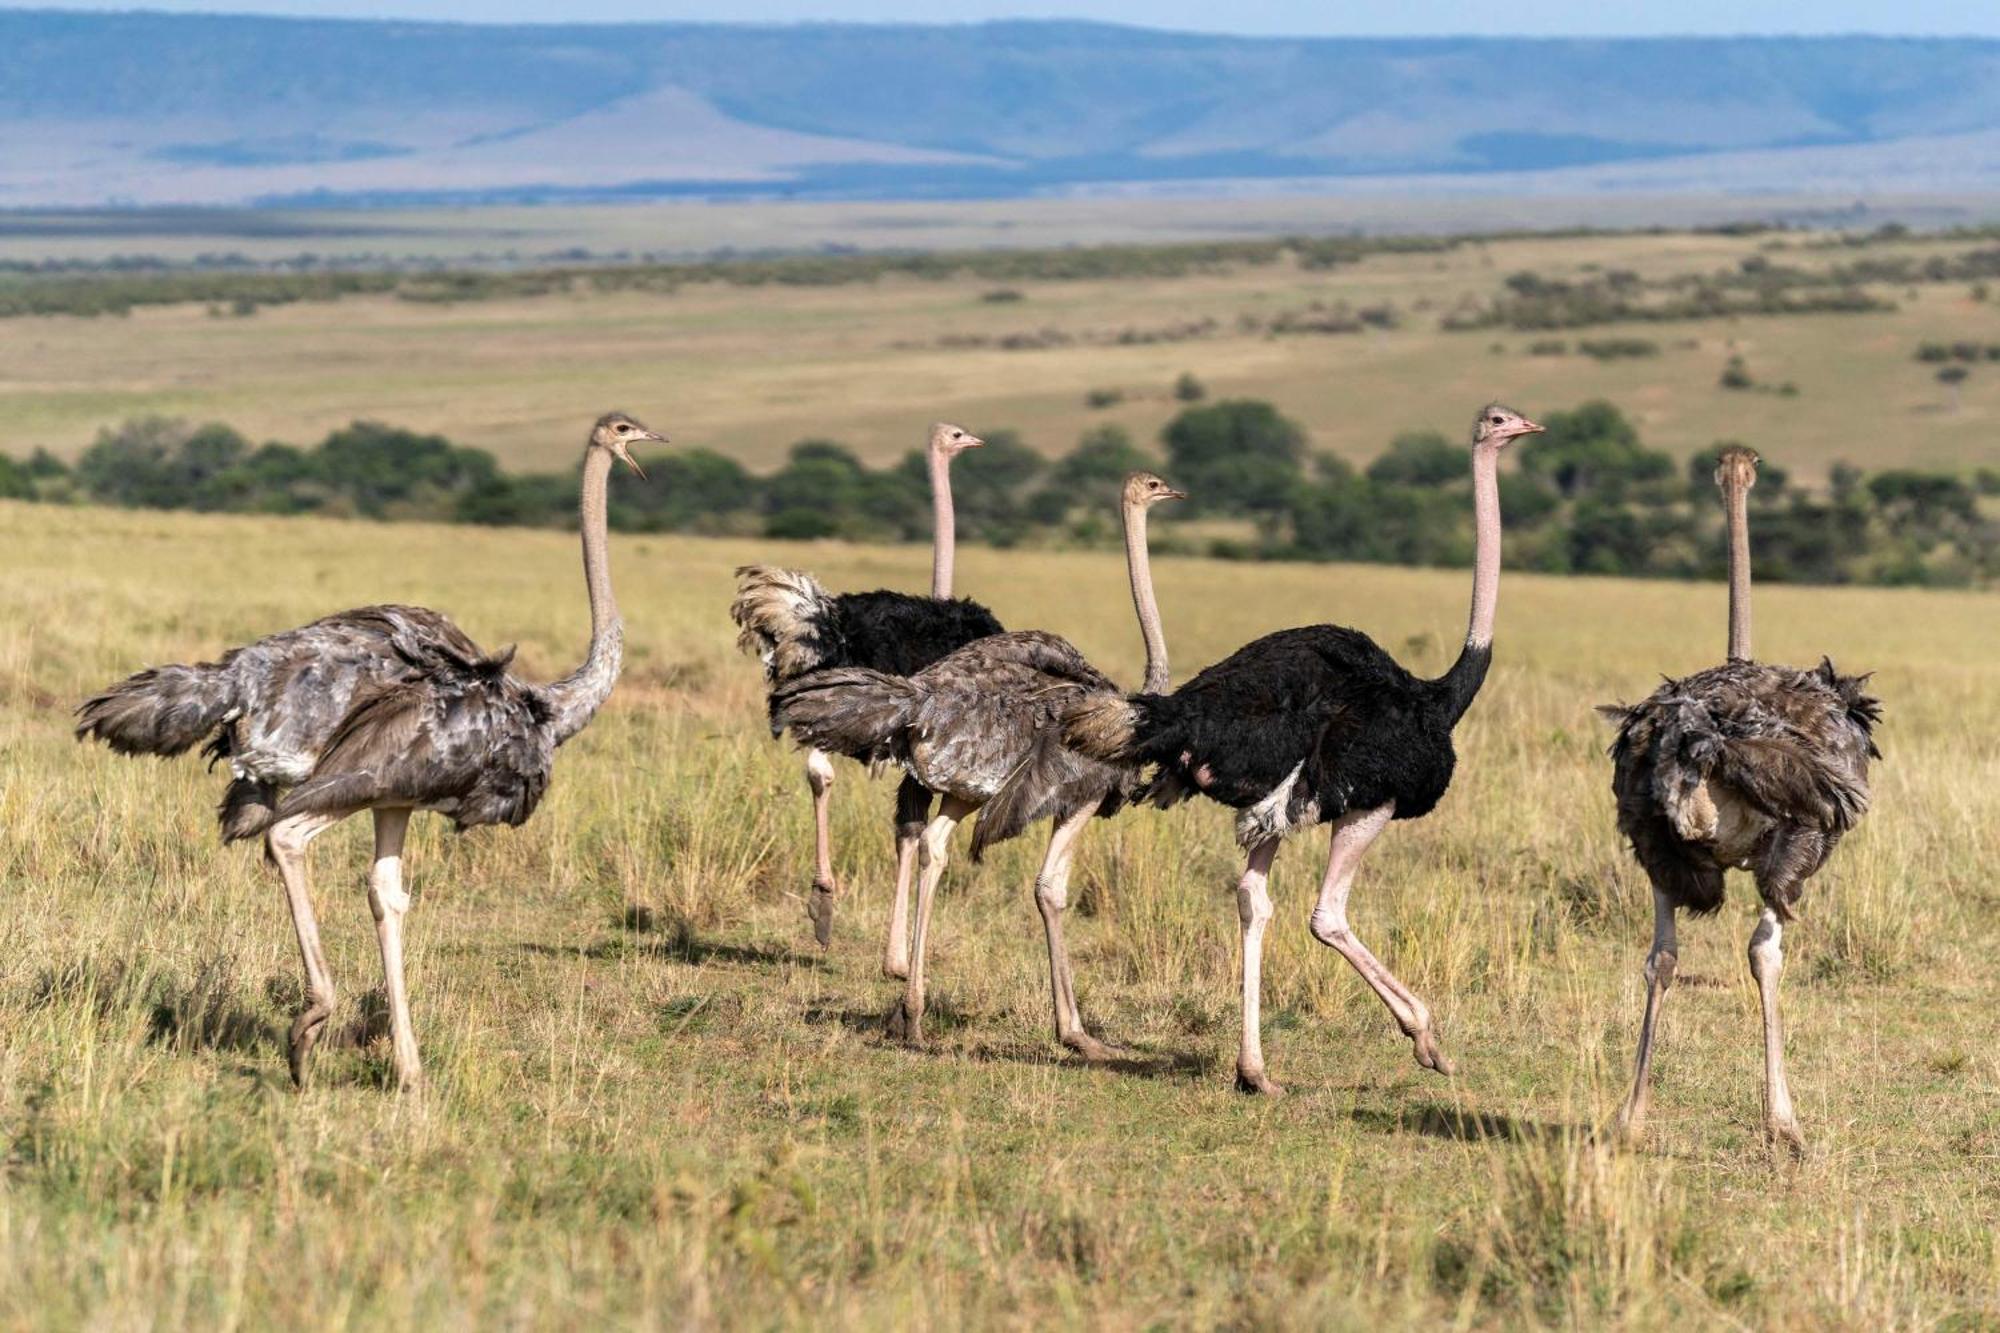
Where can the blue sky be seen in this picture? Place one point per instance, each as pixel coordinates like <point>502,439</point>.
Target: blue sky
<point>1302,17</point>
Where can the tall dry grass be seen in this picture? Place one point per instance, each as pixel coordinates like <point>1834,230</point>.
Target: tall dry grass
<point>656,1105</point>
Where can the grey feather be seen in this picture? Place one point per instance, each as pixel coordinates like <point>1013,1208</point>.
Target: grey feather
<point>1744,764</point>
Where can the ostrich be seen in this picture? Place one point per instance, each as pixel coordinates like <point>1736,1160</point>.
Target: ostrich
<point>1311,726</point>
<point>981,728</point>
<point>796,626</point>
<point>390,709</point>
<point>1742,766</point>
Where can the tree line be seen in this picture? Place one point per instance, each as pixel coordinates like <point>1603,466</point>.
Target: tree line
<point>1588,497</point>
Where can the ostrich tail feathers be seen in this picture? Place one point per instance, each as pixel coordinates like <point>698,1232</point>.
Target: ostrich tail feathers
<point>847,710</point>
<point>248,808</point>
<point>162,710</point>
<point>1104,727</point>
<point>779,613</point>
<point>1864,710</point>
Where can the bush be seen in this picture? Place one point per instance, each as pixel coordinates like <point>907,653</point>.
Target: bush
<point>1235,456</point>
<point>1188,389</point>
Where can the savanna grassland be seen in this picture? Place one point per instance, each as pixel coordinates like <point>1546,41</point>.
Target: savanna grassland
<point>654,1104</point>
<point>752,369</point>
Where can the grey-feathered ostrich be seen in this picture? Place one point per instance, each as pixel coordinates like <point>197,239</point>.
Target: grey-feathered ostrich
<point>390,709</point>
<point>981,727</point>
<point>797,626</point>
<point>1314,726</point>
<point>1742,766</point>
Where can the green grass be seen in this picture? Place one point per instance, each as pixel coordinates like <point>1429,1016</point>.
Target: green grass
<point>752,370</point>
<point>654,1104</point>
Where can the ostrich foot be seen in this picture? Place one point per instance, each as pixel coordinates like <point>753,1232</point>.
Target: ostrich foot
<point>305,1035</point>
<point>1428,1054</point>
<point>1254,1082</point>
<point>905,1026</point>
<point>1091,1049</point>
<point>1628,1130</point>
<point>897,969</point>
<point>1783,1135</point>
<point>819,908</point>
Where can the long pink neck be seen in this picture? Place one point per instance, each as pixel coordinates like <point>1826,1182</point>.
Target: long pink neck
<point>944,528</point>
<point>1485,544</point>
<point>1139,567</point>
<point>576,698</point>
<point>1460,684</point>
<point>1736,499</point>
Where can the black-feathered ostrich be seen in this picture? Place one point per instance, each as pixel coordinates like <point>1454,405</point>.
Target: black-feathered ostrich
<point>797,626</point>
<point>981,727</point>
<point>1742,766</point>
<point>1313,726</point>
<point>390,709</point>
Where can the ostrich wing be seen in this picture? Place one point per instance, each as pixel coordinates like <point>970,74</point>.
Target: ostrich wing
<point>1047,655</point>
<point>478,750</point>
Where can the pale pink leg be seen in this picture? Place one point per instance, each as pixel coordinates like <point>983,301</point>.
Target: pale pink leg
<point>1253,912</point>
<point>1052,897</point>
<point>286,842</point>
<point>1660,965</point>
<point>819,906</point>
<point>908,1021</point>
<point>1352,835</point>
<point>896,954</point>
<point>1767,962</point>
<point>390,901</point>
<point>913,811</point>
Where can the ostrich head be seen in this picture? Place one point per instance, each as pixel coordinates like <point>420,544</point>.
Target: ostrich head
<point>1736,465</point>
<point>618,433</point>
<point>1143,490</point>
<point>949,440</point>
<point>1498,426</point>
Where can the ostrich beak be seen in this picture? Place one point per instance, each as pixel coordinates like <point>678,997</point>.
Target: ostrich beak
<point>1173,495</point>
<point>1530,428</point>
<point>626,458</point>
<point>972,442</point>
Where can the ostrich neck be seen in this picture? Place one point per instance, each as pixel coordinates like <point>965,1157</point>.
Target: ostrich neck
<point>1736,497</point>
<point>1468,673</point>
<point>1139,565</point>
<point>577,696</point>
<point>944,534</point>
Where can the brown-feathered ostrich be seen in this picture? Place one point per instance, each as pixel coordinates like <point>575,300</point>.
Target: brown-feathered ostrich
<point>797,626</point>
<point>981,728</point>
<point>1742,766</point>
<point>390,709</point>
<point>1313,726</point>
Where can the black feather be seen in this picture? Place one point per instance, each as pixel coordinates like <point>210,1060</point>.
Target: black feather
<point>1323,702</point>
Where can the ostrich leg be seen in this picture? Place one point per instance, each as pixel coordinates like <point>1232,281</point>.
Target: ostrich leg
<point>286,843</point>
<point>1660,965</point>
<point>1052,897</point>
<point>389,901</point>
<point>1767,962</point>
<point>1352,836</point>
<point>913,811</point>
<point>819,907</point>
<point>907,1022</point>
<point>1253,910</point>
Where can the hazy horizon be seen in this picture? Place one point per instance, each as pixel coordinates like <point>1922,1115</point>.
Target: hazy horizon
<point>1254,18</point>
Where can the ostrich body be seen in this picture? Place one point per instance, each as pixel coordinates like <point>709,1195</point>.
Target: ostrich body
<point>1743,766</point>
<point>1315,726</point>
<point>796,626</point>
<point>390,709</point>
<point>982,728</point>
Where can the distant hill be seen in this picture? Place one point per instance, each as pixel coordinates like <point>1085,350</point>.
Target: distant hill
<point>156,109</point>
